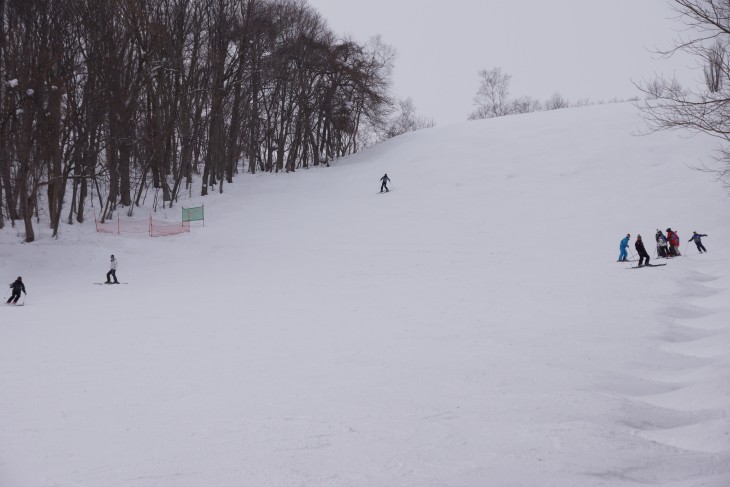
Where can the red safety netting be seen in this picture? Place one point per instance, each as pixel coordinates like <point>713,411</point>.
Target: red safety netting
<point>107,227</point>
<point>163,229</point>
<point>153,228</point>
<point>134,226</point>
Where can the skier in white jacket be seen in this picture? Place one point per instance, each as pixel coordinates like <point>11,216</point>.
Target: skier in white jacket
<point>112,272</point>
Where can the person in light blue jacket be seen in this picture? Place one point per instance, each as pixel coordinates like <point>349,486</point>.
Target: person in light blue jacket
<point>623,256</point>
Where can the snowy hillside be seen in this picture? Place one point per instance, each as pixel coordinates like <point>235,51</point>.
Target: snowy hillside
<point>470,328</point>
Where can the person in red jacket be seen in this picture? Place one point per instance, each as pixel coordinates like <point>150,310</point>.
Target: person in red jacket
<point>673,240</point>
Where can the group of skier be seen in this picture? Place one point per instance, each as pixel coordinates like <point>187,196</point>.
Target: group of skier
<point>667,246</point>
<point>18,286</point>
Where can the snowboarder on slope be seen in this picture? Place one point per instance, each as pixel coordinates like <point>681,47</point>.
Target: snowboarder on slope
<point>643,254</point>
<point>623,256</point>
<point>697,237</point>
<point>112,271</point>
<point>385,179</point>
<point>17,287</point>
<point>661,244</point>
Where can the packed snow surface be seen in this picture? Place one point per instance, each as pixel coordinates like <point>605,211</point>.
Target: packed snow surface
<point>470,328</point>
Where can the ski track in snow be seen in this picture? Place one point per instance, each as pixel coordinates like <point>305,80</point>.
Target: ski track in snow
<point>471,329</point>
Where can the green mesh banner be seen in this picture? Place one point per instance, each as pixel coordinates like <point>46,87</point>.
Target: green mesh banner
<point>193,214</point>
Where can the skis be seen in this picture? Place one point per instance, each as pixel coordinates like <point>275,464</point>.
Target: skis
<point>103,283</point>
<point>645,265</point>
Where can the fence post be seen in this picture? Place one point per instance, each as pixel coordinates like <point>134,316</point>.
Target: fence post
<point>119,225</point>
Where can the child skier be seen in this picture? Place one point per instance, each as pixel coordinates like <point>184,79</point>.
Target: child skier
<point>112,271</point>
<point>697,237</point>
<point>385,179</point>
<point>17,286</point>
<point>661,244</point>
<point>622,257</point>
<point>643,254</point>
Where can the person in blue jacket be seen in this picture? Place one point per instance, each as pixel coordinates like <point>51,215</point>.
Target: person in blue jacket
<point>697,237</point>
<point>623,256</point>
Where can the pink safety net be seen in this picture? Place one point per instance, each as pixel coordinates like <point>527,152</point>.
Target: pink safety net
<point>163,229</point>
<point>134,226</point>
<point>153,228</point>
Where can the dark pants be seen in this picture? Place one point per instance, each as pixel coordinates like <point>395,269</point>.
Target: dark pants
<point>700,247</point>
<point>14,297</point>
<point>661,250</point>
<point>110,274</point>
<point>641,259</point>
<point>384,185</point>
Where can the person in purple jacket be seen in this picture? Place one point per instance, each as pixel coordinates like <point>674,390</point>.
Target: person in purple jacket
<point>697,237</point>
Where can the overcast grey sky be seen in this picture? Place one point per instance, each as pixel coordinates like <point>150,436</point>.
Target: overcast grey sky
<point>580,48</point>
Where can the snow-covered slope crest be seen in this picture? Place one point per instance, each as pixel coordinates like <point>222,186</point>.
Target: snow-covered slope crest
<point>469,328</point>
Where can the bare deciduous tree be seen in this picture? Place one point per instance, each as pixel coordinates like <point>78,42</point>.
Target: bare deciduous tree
<point>704,109</point>
<point>406,120</point>
<point>491,99</point>
<point>525,104</point>
<point>556,102</point>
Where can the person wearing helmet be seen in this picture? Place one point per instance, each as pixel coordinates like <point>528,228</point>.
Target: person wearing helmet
<point>17,286</point>
<point>623,256</point>
<point>697,237</point>
<point>112,271</point>
<point>641,250</point>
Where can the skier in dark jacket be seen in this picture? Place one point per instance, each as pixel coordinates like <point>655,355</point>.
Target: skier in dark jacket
<point>697,237</point>
<point>385,179</point>
<point>17,286</point>
<point>643,254</point>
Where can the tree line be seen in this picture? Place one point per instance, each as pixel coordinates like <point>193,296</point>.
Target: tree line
<point>493,98</point>
<point>109,99</point>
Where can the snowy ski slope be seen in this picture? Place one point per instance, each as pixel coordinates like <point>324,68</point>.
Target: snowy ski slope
<point>470,328</point>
